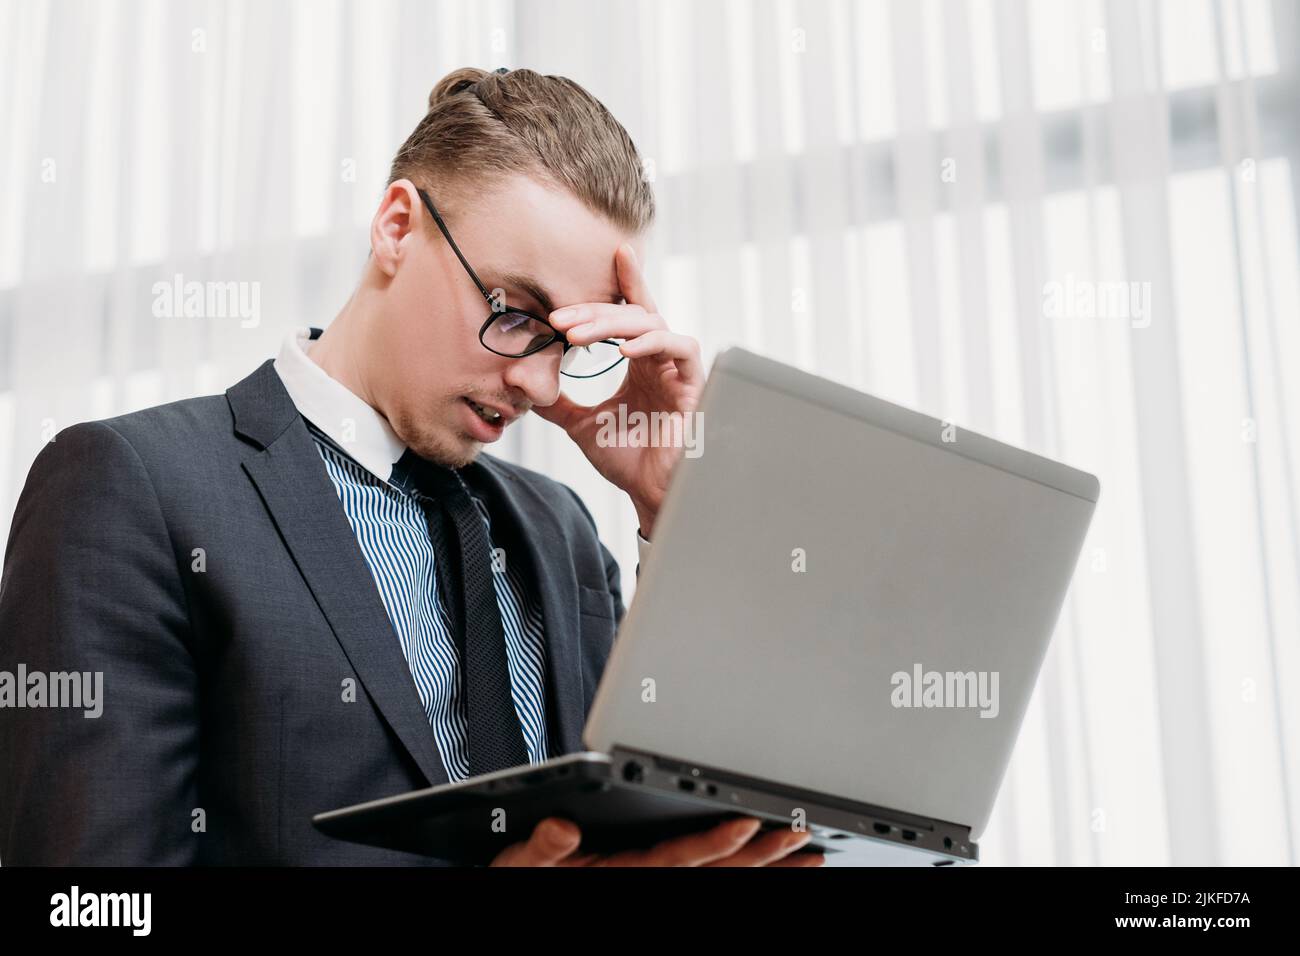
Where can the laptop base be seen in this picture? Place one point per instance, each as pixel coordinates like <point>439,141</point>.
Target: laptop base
<point>631,799</point>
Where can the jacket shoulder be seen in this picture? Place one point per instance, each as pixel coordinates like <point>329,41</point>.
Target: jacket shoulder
<point>192,417</point>
<point>559,495</point>
<point>101,443</point>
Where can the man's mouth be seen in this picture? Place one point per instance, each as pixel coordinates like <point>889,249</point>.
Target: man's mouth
<point>489,415</point>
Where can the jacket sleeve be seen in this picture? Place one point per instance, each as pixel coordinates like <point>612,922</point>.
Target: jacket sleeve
<point>91,586</point>
<point>615,578</point>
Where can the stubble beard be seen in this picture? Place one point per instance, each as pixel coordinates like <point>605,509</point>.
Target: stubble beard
<point>440,443</point>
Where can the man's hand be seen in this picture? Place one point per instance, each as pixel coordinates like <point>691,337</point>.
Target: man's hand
<point>665,374</point>
<point>554,842</point>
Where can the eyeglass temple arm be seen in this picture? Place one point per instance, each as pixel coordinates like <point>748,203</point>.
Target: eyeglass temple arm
<point>470,269</point>
<point>442,226</point>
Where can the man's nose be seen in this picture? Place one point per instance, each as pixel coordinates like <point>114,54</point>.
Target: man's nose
<point>537,376</point>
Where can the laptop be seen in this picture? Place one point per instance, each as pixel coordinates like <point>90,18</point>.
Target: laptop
<point>838,628</point>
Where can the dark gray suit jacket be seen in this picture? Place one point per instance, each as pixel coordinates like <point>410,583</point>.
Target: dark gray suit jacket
<point>224,688</point>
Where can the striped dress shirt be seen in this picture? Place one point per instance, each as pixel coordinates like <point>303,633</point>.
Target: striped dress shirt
<point>394,536</point>
<point>359,449</point>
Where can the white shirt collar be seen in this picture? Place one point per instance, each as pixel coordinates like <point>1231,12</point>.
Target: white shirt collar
<point>338,412</point>
<point>348,421</point>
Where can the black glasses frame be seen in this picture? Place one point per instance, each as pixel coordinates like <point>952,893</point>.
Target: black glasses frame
<point>499,309</point>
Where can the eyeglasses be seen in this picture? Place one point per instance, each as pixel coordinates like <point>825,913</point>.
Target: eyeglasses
<point>515,333</point>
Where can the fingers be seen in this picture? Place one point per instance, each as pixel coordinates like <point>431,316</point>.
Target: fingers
<point>631,280</point>
<point>682,349</point>
<point>595,321</point>
<point>581,859</point>
<point>695,849</point>
<point>636,294</point>
<point>552,840</point>
<point>801,859</point>
<point>766,850</point>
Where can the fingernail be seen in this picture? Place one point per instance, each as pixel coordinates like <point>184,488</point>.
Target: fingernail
<point>557,835</point>
<point>583,329</point>
<point>744,829</point>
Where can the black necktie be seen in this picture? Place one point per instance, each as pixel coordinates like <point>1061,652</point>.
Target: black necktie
<point>464,567</point>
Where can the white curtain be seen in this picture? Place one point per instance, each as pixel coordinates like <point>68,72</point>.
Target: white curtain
<point>891,193</point>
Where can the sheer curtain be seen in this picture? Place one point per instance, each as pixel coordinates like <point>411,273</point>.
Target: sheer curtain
<point>1070,225</point>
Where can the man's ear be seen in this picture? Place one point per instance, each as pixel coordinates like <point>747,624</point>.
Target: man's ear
<point>397,216</point>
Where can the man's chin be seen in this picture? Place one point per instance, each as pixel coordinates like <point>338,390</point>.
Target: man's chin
<point>465,450</point>
<point>471,454</point>
<point>450,447</point>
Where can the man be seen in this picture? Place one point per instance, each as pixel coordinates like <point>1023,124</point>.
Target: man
<point>315,589</point>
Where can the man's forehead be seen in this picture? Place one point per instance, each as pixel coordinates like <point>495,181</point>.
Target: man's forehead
<point>542,241</point>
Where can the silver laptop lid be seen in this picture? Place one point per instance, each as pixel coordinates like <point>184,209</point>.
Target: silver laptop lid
<point>845,597</point>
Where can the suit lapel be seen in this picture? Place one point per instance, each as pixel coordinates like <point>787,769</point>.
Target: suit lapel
<point>289,475</point>
<point>557,589</point>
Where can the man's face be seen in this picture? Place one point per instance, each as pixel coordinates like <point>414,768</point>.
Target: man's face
<point>425,361</point>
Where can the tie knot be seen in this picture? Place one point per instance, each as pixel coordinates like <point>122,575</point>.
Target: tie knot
<point>413,473</point>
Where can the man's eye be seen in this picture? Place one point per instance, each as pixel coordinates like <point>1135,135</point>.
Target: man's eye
<point>519,299</point>
<point>512,321</point>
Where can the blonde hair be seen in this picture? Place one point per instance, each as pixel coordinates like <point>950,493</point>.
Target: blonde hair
<point>482,126</point>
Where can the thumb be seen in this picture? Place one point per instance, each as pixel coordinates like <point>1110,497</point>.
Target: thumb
<point>563,412</point>
<point>552,839</point>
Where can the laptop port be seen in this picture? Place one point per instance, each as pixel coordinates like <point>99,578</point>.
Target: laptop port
<point>686,784</point>
<point>884,828</point>
<point>909,834</point>
<point>632,772</point>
